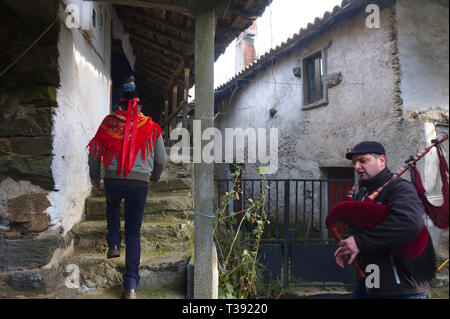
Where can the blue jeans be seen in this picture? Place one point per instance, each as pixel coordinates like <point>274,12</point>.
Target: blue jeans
<point>360,293</point>
<point>135,199</point>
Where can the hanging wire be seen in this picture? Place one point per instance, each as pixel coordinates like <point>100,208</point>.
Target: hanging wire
<point>28,48</point>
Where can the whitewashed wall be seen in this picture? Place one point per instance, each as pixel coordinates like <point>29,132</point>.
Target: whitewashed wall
<point>423,32</point>
<point>360,107</point>
<point>373,101</point>
<point>83,101</point>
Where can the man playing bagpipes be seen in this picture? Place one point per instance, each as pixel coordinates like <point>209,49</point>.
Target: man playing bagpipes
<point>386,227</point>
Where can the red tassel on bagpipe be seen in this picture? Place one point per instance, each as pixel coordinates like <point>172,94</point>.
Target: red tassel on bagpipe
<point>438,214</point>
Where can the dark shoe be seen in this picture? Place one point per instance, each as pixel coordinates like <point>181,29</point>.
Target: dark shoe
<point>113,252</point>
<point>129,294</point>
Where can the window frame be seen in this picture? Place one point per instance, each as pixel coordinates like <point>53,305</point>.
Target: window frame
<point>306,105</point>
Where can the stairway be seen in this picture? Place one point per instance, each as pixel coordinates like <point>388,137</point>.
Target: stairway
<point>166,242</point>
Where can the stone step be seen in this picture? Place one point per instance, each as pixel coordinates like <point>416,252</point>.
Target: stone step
<point>163,185</point>
<point>114,293</point>
<point>157,237</point>
<point>168,203</point>
<point>162,272</point>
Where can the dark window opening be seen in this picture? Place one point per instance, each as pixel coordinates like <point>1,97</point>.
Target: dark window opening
<point>313,78</point>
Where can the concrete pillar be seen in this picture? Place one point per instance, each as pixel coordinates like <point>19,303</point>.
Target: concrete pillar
<point>205,263</point>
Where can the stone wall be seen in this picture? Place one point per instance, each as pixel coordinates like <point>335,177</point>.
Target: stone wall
<point>27,102</point>
<point>367,102</point>
<point>361,106</point>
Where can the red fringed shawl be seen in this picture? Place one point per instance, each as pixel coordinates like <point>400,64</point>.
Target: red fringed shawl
<point>109,141</point>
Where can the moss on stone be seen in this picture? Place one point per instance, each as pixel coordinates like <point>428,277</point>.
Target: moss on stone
<point>31,122</point>
<point>40,95</point>
<point>36,169</point>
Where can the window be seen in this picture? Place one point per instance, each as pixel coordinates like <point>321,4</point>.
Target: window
<point>314,90</point>
<point>314,73</point>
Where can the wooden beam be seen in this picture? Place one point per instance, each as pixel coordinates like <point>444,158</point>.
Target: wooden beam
<point>180,6</point>
<point>157,64</point>
<point>167,82</point>
<point>154,79</point>
<point>242,12</point>
<point>145,49</point>
<point>185,97</point>
<point>166,124</point>
<point>148,29</point>
<point>176,73</point>
<point>158,71</point>
<point>159,46</point>
<point>170,72</point>
<point>149,86</point>
<point>161,23</point>
<point>146,44</point>
<point>163,77</point>
<point>150,80</point>
<point>172,118</point>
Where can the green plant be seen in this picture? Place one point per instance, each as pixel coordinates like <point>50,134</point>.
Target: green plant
<point>240,269</point>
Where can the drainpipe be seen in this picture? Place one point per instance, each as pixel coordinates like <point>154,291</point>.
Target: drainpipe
<point>205,263</point>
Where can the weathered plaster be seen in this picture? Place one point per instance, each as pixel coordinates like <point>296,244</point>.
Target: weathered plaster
<point>360,106</point>
<point>83,101</point>
<point>423,33</point>
<point>374,100</point>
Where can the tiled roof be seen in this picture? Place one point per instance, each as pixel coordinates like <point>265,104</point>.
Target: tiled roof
<point>347,8</point>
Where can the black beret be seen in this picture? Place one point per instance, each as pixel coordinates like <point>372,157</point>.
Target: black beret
<point>366,147</point>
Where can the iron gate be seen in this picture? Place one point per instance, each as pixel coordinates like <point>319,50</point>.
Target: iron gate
<point>296,246</point>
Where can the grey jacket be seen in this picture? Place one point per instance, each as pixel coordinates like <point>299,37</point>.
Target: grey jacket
<point>145,171</point>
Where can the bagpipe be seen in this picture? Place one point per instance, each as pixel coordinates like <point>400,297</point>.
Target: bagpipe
<point>363,215</point>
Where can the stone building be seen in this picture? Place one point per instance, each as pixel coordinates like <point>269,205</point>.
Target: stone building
<point>366,70</point>
<point>55,88</point>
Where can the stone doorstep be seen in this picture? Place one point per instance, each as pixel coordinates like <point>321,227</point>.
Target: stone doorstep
<point>116,292</point>
<point>35,283</point>
<point>163,235</point>
<point>35,252</point>
<point>94,228</point>
<point>167,271</point>
<point>170,193</point>
<point>96,206</point>
<point>163,276</point>
<point>23,281</point>
<point>163,185</point>
<point>148,217</point>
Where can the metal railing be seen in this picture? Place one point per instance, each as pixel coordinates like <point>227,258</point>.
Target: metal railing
<point>296,208</point>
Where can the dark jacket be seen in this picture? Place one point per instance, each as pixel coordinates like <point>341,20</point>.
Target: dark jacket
<point>403,224</point>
